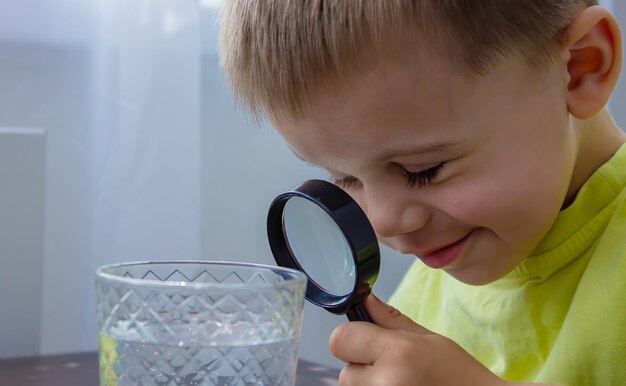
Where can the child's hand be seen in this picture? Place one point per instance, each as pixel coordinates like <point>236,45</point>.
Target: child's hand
<point>398,352</point>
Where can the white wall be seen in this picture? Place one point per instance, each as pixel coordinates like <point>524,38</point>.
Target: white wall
<point>116,85</point>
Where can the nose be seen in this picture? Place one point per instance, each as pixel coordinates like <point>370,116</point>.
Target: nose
<point>392,214</point>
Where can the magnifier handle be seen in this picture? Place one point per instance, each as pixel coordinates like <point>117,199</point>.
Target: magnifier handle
<point>358,313</point>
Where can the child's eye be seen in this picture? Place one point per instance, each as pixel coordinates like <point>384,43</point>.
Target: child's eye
<point>346,182</point>
<point>424,177</point>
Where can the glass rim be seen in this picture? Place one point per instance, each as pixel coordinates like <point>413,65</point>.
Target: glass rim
<point>108,277</point>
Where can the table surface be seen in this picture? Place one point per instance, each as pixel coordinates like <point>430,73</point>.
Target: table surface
<point>81,369</point>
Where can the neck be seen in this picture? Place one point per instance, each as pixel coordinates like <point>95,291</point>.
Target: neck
<point>598,139</point>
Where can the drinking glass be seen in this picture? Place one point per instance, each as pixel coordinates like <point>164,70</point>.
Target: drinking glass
<point>198,323</point>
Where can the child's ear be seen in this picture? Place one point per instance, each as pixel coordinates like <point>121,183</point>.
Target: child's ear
<point>593,43</point>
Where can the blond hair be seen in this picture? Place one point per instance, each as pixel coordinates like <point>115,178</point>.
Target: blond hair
<point>277,54</point>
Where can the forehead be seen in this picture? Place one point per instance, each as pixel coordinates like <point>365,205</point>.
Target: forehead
<point>420,95</point>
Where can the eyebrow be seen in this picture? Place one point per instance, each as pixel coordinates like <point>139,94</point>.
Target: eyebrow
<point>425,148</point>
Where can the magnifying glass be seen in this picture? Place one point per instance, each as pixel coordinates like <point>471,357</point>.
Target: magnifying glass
<point>320,230</point>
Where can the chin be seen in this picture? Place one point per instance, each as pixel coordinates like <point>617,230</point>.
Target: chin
<point>485,262</point>
<point>475,275</point>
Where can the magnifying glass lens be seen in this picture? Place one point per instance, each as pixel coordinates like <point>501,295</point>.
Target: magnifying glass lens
<point>319,246</point>
<point>319,229</point>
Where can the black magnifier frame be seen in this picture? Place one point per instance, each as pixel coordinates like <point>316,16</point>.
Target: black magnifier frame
<point>356,230</point>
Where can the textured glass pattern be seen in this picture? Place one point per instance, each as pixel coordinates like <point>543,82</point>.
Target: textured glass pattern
<point>198,323</point>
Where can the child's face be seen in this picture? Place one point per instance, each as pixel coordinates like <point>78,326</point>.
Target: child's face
<point>490,159</point>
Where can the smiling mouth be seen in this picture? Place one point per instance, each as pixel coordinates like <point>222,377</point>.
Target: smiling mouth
<point>446,255</point>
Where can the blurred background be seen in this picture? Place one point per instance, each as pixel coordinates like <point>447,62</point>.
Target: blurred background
<point>119,140</point>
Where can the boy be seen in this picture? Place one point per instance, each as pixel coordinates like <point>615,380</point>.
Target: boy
<point>475,136</point>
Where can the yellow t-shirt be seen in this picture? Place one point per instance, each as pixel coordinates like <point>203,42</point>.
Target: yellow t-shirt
<point>560,317</point>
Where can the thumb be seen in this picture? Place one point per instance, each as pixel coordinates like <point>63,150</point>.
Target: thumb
<point>390,318</point>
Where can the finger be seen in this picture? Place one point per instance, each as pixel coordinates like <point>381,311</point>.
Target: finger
<point>359,342</point>
<point>390,318</point>
<point>355,375</point>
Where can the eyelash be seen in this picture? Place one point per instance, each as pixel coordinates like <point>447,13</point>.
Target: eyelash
<point>346,182</point>
<point>421,179</point>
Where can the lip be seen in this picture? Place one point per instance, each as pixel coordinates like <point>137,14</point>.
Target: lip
<point>444,256</point>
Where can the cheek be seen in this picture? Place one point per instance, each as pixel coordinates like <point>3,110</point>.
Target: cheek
<point>514,208</point>
<point>469,205</point>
